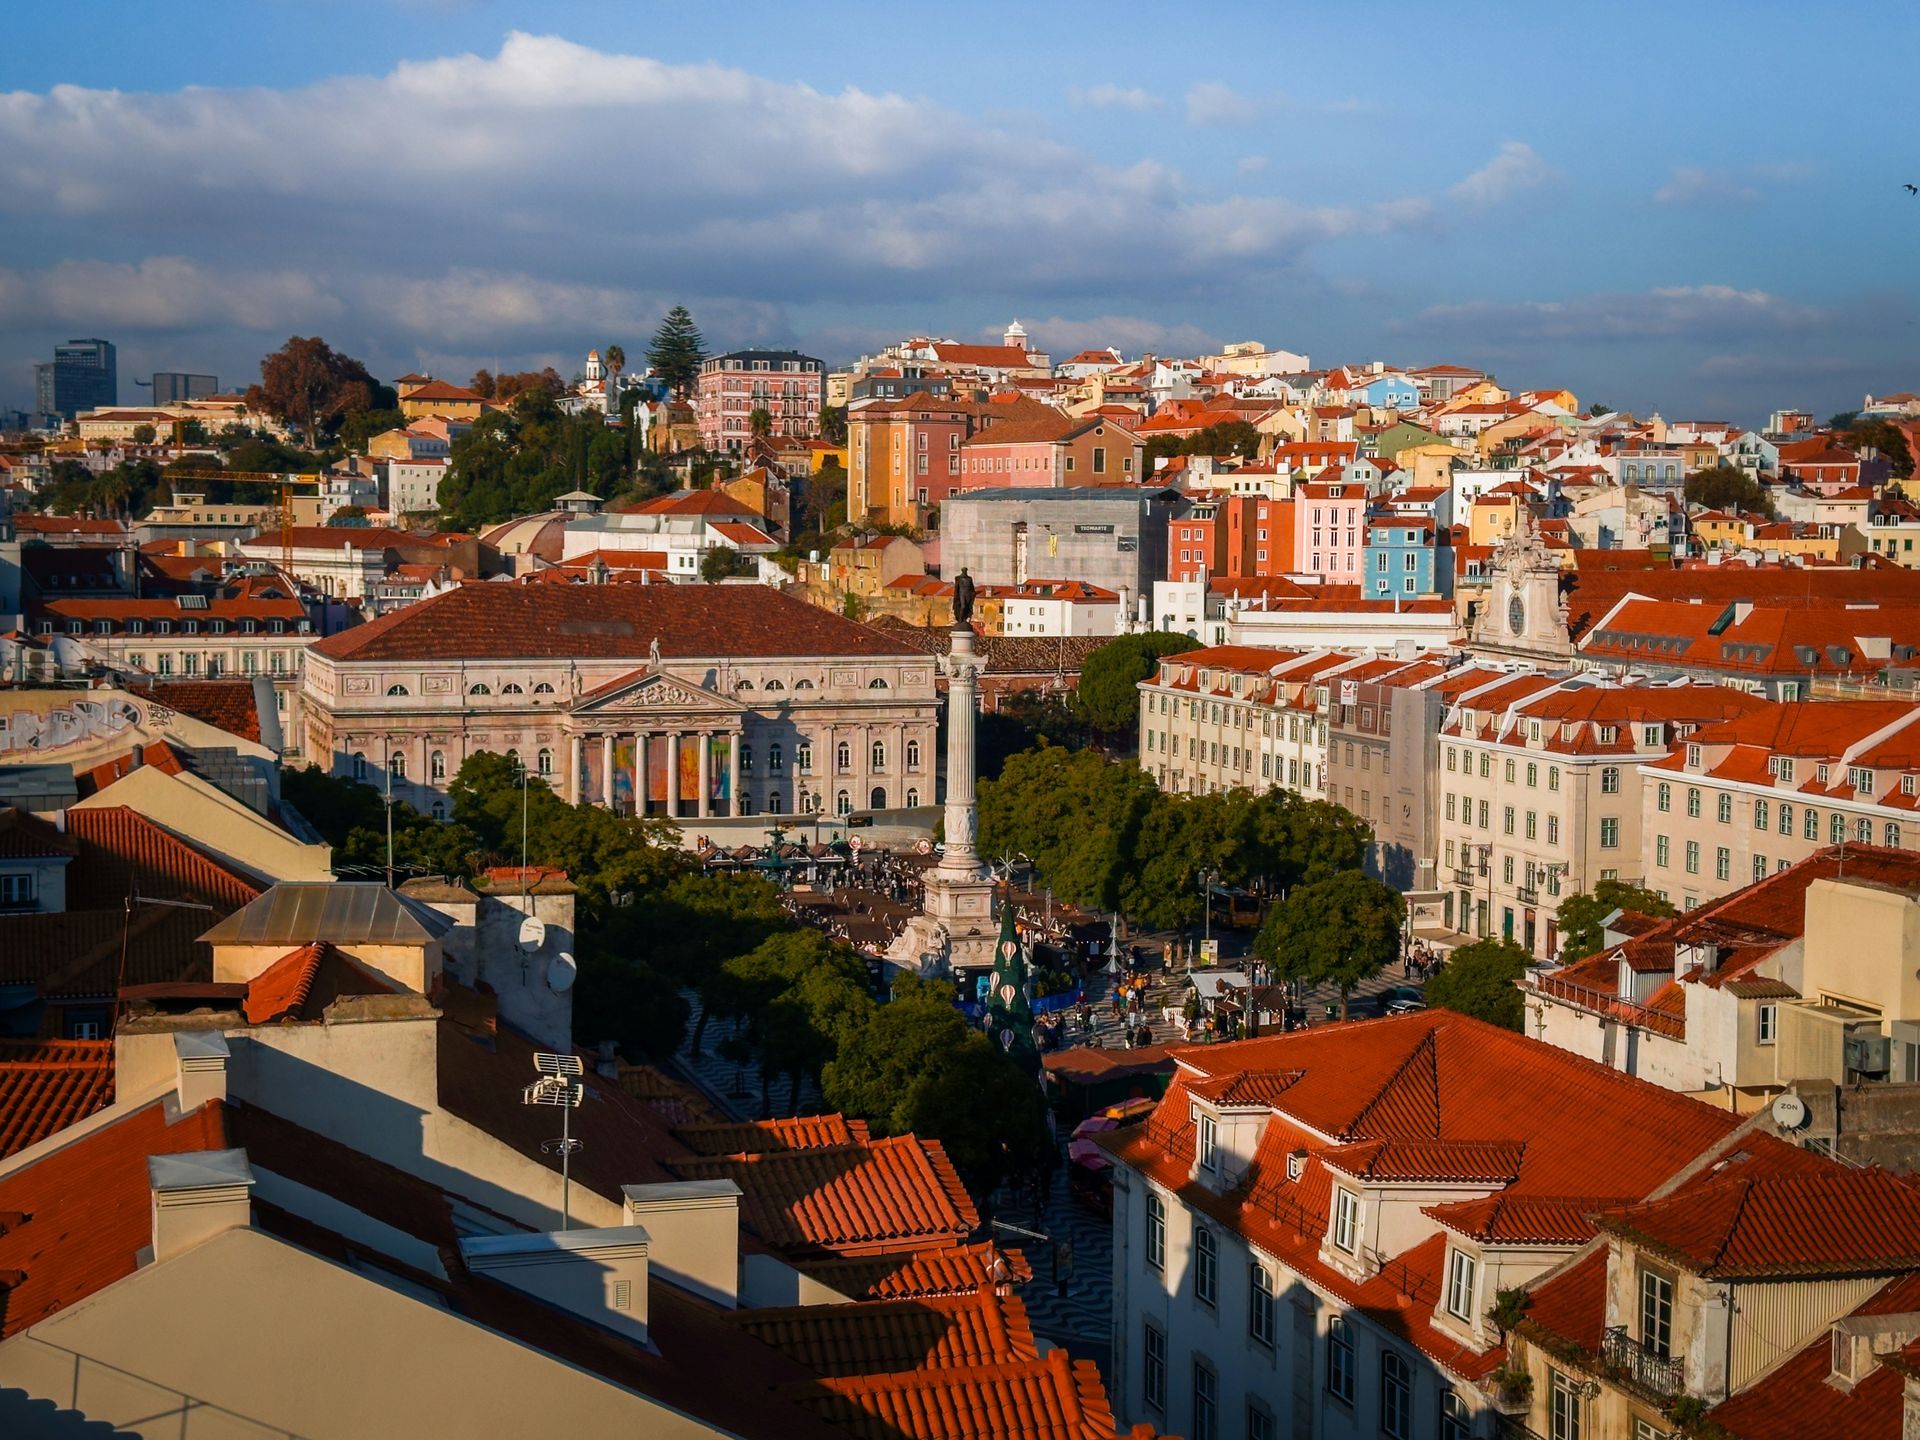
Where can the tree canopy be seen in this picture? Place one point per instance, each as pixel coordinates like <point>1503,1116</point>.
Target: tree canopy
<point>1482,980</point>
<point>1727,487</point>
<point>518,463</point>
<point>677,351</point>
<point>1338,931</point>
<point>1889,441</point>
<point>1109,694</point>
<point>309,384</point>
<point>1581,918</point>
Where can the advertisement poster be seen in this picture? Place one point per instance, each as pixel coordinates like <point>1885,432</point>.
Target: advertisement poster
<point>719,771</point>
<point>623,775</point>
<point>657,771</point>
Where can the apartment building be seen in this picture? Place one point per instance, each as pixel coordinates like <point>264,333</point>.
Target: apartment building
<point>903,455</point>
<point>1289,1261</point>
<point>787,385</point>
<point>1767,788</point>
<point>1540,792</point>
<point>1239,717</point>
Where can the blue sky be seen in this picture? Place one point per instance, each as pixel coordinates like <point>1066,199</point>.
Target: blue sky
<point>1695,211</point>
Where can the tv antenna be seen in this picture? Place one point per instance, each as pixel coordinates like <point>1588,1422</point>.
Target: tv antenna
<point>559,1084</point>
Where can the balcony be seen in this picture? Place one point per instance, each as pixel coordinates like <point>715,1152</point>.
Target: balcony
<point>1661,1375</point>
<point>1466,875</point>
<point>1527,894</point>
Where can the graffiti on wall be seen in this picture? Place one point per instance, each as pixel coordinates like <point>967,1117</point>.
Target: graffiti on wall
<point>39,731</point>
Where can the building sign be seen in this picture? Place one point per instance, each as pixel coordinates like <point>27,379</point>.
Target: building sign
<point>1093,529</point>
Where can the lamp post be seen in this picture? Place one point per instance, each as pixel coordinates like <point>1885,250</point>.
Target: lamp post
<point>1207,877</point>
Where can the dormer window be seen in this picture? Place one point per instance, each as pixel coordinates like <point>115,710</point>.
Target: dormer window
<point>1783,767</point>
<point>1346,1220</point>
<point>1208,1146</point>
<point>1908,786</point>
<point>1656,1313</point>
<point>1609,734</point>
<point>1463,1273</point>
<point>1693,757</point>
<point>1862,780</point>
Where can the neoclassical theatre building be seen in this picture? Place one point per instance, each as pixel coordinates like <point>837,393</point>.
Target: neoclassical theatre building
<point>674,700</point>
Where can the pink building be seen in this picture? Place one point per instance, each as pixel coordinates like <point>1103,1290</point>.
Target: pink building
<point>789,386</point>
<point>1330,530</point>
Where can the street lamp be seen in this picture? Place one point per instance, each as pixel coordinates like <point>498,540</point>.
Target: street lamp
<point>1207,877</point>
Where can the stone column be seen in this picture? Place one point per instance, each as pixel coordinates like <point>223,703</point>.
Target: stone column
<point>673,774</point>
<point>962,666</point>
<point>606,770</point>
<point>640,772</point>
<point>739,801</point>
<point>703,739</point>
<point>576,757</point>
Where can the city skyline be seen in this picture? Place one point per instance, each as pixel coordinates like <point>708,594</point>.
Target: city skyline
<point>1658,234</point>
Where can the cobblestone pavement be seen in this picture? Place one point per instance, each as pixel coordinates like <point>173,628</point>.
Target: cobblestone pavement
<point>735,1088</point>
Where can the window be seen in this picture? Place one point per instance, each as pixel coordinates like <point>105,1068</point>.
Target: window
<point>16,891</point>
<point>1461,1273</point>
<point>1722,863</point>
<point>842,803</point>
<point>1553,778</point>
<point>1836,828</point>
<point>913,754</point>
<point>1610,834</point>
<point>1662,851</point>
<point>359,765</point>
<point>1890,836</point>
<point>511,689</point>
<point>913,798</point>
<point>843,756</point>
<point>1454,1422</point>
<point>543,763</point>
<point>1663,797</point>
<point>1396,1396</point>
<point>1346,1220</point>
<point>1206,1397</point>
<point>1339,1359</point>
<point>1260,1425</point>
<point>1506,820</point>
<point>1206,1266</point>
<point>1563,1408</point>
<point>1153,1368</point>
<point>1553,829</point>
<point>1786,821</point>
<point>1533,775</point>
<point>1693,802</point>
<point>803,756</point>
<point>1693,857</point>
<point>877,753</point>
<point>1209,1142</point>
<point>1759,868</point>
<point>1656,1312</point>
<point>543,688</point>
<point>1260,1305</point>
<point>1769,1016</point>
<point>1156,1231</point>
<point>437,765</point>
<point>479,690</point>
<point>396,690</point>
<point>1760,817</point>
<point>1724,809</point>
<point>1610,783</point>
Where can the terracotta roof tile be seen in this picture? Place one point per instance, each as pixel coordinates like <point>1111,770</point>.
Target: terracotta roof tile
<point>120,848</point>
<point>1056,1398</point>
<point>957,1270</point>
<point>1494,1162</point>
<point>757,1137</point>
<point>935,1333</point>
<point>25,836</point>
<point>227,705</point>
<point>47,1085</point>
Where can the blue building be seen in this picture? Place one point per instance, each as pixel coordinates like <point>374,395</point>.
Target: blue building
<point>1407,557</point>
<point>1389,390</point>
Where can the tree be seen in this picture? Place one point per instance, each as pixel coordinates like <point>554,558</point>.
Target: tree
<point>833,424</point>
<point>1109,695</point>
<point>1727,487</point>
<point>359,427</point>
<point>349,517</point>
<point>1884,437</point>
<point>308,384</point>
<point>1842,421</point>
<point>719,563</point>
<point>1335,932</point>
<point>677,351</point>
<point>144,434</point>
<point>616,359</point>
<point>1482,980</point>
<point>1596,410</point>
<point>1581,918</point>
<point>760,421</point>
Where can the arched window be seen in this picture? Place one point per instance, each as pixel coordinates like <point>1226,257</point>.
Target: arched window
<point>842,803</point>
<point>803,756</point>
<point>913,799</point>
<point>543,688</point>
<point>1863,831</point>
<point>545,762</point>
<point>397,765</point>
<point>479,690</point>
<point>843,756</point>
<point>878,799</point>
<point>1836,829</point>
<point>879,755</point>
<point>744,685</point>
<point>359,765</point>
<point>397,690</point>
<point>773,803</point>
<point>774,685</point>
<point>511,689</point>
<point>913,754</point>
<point>437,765</point>
<point>513,760</point>
<point>439,809</point>
<point>803,684</point>
<point>776,757</point>
<point>876,684</point>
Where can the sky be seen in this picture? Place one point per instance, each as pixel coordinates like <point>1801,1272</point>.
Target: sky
<point>1691,208</point>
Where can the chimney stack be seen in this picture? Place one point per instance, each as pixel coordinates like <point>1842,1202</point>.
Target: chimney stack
<point>197,1195</point>
<point>599,1275</point>
<point>202,1057</point>
<point>695,1225</point>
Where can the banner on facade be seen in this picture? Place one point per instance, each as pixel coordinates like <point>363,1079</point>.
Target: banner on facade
<point>657,771</point>
<point>689,770</point>
<point>719,770</point>
<point>623,774</point>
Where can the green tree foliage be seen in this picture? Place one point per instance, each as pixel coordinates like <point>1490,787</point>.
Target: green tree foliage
<point>1727,487</point>
<point>360,426</point>
<point>1234,437</point>
<point>1109,695</point>
<point>760,421</point>
<point>833,424</point>
<point>351,815</point>
<point>1482,980</point>
<point>677,351</point>
<point>1582,918</point>
<point>1026,720</point>
<point>1339,931</point>
<point>825,489</point>
<point>144,434</point>
<point>719,563</point>
<point>517,463</point>
<point>127,491</point>
<point>1596,410</point>
<point>307,383</point>
<point>1882,436</point>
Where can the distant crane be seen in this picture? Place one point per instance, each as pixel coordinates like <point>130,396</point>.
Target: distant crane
<point>287,482</point>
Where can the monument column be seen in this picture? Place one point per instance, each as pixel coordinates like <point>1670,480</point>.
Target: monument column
<point>962,817</point>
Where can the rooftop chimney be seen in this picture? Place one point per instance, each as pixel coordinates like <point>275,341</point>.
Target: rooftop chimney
<point>196,1195</point>
<point>599,1275</point>
<point>695,1225</point>
<point>202,1057</point>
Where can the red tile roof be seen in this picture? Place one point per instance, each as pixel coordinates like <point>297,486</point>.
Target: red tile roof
<point>605,622</point>
<point>958,1270</point>
<point>227,705</point>
<point>120,847</point>
<point>25,836</point>
<point>936,1333</point>
<point>88,1211</point>
<point>440,390</point>
<point>1056,1398</point>
<point>755,1137</point>
<point>47,1085</point>
<point>895,1194</point>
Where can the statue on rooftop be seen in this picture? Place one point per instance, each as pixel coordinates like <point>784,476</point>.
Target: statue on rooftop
<point>962,598</point>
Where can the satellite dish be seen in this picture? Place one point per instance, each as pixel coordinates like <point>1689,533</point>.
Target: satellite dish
<point>533,934</point>
<point>560,973</point>
<point>1789,1112</point>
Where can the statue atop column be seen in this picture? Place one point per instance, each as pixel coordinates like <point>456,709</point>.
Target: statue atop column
<point>962,599</point>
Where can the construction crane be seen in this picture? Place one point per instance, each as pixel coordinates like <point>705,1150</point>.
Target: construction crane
<point>286,480</point>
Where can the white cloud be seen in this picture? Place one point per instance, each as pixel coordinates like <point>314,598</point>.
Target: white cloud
<point>1213,103</point>
<point>1516,167</point>
<point>165,292</point>
<point>1695,185</point>
<point>1707,313</point>
<point>1113,97</point>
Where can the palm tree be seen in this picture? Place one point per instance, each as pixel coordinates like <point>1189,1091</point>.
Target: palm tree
<point>616,362</point>
<point>760,422</point>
